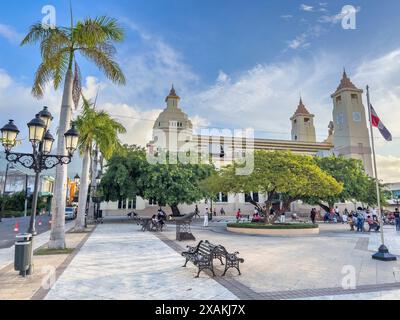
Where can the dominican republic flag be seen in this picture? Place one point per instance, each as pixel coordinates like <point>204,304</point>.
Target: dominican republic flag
<point>376,122</point>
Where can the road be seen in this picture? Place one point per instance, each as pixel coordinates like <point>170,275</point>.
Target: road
<point>7,232</point>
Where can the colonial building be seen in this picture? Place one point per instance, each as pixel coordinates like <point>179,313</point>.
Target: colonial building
<point>348,136</point>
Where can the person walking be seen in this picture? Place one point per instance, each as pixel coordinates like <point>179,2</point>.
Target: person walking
<point>196,212</point>
<point>222,212</point>
<point>206,214</point>
<point>397,219</point>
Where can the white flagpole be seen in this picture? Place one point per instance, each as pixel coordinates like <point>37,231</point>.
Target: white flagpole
<point>383,253</point>
<point>378,196</point>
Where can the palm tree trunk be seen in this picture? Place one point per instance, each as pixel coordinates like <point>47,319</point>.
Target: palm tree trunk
<point>94,178</point>
<point>83,192</point>
<point>57,235</point>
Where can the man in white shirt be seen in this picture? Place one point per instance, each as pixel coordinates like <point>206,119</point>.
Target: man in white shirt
<point>206,213</point>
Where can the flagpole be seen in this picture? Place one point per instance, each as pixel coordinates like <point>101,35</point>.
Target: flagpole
<point>383,252</point>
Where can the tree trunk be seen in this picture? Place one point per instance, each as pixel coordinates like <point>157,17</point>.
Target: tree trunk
<point>93,182</point>
<point>57,235</point>
<point>83,192</point>
<point>324,207</point>
<point>175,210</point>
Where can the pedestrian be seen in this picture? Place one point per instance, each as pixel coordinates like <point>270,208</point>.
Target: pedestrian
<point>238,216</point>
<point>374,215</point>
<point>222,211</point>
<point>351,221</point>
<point>345,216</point>
<point>373,225</point>
<point>196,212</point>
<point>360,221</point>
<point>313,214</point>
<point>283,217</point>
<point>215,213</point>
<point>206,213</point>
<point>397,218</point>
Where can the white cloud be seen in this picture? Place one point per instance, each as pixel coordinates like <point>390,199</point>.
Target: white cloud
<point>5,80</point>
<point>287,16</point>
<point>10,34</point>
<point>388,168</point>
<point>305,7</point>
<point>299,42</point>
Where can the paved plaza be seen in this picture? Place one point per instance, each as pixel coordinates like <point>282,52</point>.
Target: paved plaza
<point>119,261</point>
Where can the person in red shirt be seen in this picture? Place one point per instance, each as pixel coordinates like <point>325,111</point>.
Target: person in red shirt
<point>238,215</point>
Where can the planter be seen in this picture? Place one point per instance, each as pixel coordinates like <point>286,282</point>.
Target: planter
<point>285,230</point>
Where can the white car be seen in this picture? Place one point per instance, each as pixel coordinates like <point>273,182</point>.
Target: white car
<point>70,213</point>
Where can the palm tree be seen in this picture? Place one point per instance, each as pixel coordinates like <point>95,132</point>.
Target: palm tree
<point>93,39</point>
<point>97,131</point>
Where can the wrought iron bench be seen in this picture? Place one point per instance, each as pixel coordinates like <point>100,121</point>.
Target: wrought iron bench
<point>231,260</point>
<point>201,256</point>
<point>205,252</point>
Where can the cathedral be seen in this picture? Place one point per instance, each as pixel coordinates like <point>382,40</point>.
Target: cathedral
<point>348,136</point>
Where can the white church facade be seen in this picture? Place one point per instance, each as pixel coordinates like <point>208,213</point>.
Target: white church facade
<point>348,136</point>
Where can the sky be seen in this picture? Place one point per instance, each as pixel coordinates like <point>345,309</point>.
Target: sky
<point>235,64</point>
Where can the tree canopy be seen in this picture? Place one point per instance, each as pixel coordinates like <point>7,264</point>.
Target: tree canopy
<point>357,185</point>
<point>129,174</point>
<point>293,176</point>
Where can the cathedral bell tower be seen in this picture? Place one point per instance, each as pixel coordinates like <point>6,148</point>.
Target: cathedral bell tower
<point>351,136</point>
<point>303,124</point>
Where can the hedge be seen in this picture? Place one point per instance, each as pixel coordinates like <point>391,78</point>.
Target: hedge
<point>280,226</point>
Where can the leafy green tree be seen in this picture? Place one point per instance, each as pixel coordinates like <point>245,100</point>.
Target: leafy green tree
<point>129,174</point>
<point>122,177</point>
<point>277,172</point>
<point>95,128</point>
<point>93,39</point>
<point>357,185</point>
<point>174,184</point>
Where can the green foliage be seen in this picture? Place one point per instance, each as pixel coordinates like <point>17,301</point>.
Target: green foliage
<point>295,176</point>
<point>173,184</point>
<point>122,179</point>
<point>357,185</point>
<point>129,174</point>
<point>278,226</point>
<point>14,204</point>
<point>92,38</point>
<point>98,127</point>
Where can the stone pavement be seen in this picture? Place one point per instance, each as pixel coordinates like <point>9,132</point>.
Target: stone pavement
<point>7,254</point>
<point>121,262</point>
<point>46,270</point>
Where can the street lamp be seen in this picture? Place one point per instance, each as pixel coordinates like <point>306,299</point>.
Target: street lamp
<point>40,159</point>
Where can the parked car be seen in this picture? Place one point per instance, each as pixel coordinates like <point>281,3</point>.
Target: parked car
<point>70,213</point>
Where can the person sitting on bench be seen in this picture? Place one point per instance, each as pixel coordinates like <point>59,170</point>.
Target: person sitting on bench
<point>373,224</point>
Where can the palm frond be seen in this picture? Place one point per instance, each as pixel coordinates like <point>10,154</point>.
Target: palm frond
<point>42,77</point>
<point>105,63</point>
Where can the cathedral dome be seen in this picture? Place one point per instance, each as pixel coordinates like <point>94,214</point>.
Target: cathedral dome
<point>173,116</point>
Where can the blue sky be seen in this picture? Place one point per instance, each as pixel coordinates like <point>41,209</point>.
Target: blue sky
<point>227,59</point>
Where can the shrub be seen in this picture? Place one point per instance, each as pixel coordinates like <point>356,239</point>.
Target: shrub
<point>279,226</point>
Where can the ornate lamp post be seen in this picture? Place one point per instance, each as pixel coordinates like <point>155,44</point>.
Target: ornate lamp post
<point>40,159</point>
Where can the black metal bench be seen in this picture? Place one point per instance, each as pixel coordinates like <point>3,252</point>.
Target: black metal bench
<point>201,256</point>
<point>205,252</point>
<point>231,260</point>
